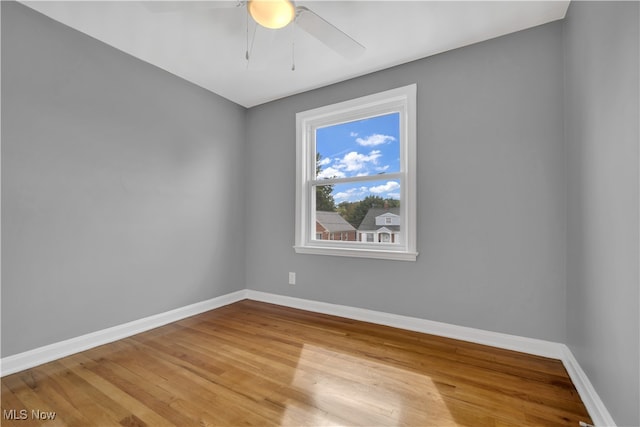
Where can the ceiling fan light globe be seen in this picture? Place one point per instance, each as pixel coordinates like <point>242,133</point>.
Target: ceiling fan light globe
<point>272,14</point>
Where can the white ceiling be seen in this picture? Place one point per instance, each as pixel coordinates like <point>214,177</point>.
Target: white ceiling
<point>207,46</point>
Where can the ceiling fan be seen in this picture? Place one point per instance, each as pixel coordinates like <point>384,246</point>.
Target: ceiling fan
<point>276,14</point>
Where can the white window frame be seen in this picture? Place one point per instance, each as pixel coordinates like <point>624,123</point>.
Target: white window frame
<point>400,100</point>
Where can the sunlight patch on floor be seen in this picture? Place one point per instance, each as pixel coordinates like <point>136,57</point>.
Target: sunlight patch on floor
<point>343,389</point>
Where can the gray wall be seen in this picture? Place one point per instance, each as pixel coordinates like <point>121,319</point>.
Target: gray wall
<point>128,192</point>
<point>121,186</point>
<point>491,191</point>
<point>602,114</point>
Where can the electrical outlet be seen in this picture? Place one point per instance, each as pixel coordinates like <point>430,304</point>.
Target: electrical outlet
<point>292,278</point>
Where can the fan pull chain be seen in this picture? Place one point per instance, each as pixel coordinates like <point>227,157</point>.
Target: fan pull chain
<point>293,46</point>
<point>246,54</point>
<point>249,52</point>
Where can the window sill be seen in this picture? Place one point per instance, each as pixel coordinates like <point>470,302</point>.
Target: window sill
<point>357,253</point>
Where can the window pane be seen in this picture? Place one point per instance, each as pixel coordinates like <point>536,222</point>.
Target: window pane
<point>367,211</point>
<point>359,148</point>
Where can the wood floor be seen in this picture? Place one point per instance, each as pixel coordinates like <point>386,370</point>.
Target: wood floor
<point>252,363</point>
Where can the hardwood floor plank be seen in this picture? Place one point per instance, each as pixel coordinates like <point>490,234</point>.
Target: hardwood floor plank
<point>137,411</point>
<point>10,403</point>
<point>96,405</point>
<point>440,364</point>
<point>146,393</point>
<point>263,379</point>
<point>258,364</point>
<point>22,388</point>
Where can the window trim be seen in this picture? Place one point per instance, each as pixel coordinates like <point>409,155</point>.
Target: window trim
<point>403,100</point>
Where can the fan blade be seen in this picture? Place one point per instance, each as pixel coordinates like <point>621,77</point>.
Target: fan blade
<point>180,6</point>
<point>327,33</point>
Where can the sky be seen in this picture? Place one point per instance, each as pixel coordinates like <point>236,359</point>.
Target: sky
<point>361,148</point>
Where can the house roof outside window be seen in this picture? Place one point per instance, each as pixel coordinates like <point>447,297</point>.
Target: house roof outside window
<point>333,222</point>
<point>369,221</point>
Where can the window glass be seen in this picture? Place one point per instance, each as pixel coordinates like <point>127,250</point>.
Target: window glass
<point>364,147</point>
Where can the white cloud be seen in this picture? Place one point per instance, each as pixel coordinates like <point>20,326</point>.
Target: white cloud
<point>330,172</point>
<point>385,188</point>
<point>324,161</point>
<point>353,134</point>
<point>382,168</point>
<point>375,139</point>
<point>351,194</point>
<point>355,161</point>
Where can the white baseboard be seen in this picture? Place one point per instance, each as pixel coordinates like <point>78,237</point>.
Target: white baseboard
<point>495,339</point>
<point>553,350</point>
<point>593,403</point>
<point>599,413</point>
<point>40,355</point>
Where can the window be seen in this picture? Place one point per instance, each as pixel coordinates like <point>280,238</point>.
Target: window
<point>358,159</point>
